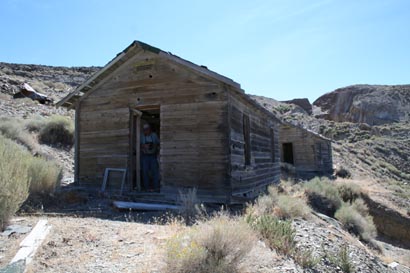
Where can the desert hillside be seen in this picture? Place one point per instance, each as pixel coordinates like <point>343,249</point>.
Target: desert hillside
<point>322,225</point>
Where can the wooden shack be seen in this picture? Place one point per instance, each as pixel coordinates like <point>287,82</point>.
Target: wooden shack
<point>213,137</point>
<point>305,153</point>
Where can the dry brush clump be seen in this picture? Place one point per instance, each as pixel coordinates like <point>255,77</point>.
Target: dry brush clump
<point>323,195</point>
<point>21,174</point>
<point>13,128</point>
<point>214,246</point>
<point>343,201</point>
<point>357,221</point>
<point>282,204</point>
<point>14,178</point>
<point>278,234</point>
<point>57,130</point>
<point>191,208</point>
<point>45,176</point>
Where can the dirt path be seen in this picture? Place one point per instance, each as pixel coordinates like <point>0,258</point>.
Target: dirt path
<point>95,245</point>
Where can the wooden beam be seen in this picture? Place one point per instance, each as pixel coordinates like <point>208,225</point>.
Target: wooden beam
<point>77,144</point>
<point>30,244</point>
<point>144,206</point>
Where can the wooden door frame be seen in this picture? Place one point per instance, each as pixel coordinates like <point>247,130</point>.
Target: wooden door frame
<point>135,121</point>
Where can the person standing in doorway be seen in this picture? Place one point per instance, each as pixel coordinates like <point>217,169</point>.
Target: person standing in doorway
<point>149,164</point>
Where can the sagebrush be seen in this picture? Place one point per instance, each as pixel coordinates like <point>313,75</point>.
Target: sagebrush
<point>13,128</point>
<point>323,195</point>
<point>349,192</point>
<point>282,205</point>
<point>14,178</point>
<point>215,246</point>
<point>58,130</point>
<point>357,222</point>
<point>278,234</point>
<point>45,175</point>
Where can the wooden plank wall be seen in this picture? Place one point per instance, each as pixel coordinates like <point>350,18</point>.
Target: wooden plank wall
<point>194,140</point>
<point>264,168</point>
<point>312,154</point>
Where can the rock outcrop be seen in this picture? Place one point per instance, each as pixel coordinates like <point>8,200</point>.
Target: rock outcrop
<point>371,104</point>
<point>303,103</point>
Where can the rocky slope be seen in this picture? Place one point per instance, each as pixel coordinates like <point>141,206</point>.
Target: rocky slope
<point>53,81</point>
<point>371,104</point>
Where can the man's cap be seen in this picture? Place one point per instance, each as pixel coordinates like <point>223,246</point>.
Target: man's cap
<point>146,126</point>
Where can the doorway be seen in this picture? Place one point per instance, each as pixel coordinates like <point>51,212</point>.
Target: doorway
<point>140,116</point>
<point>287,149</point>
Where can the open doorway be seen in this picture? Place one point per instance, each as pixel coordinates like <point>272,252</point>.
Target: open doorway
<point>144,152</point>
<point>287,150</point>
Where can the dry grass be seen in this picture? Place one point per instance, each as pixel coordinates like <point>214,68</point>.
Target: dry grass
<point>305,258</point>
<point>190,206</point>
<point>281,204</point>
<point>323,195</point>
<point>35,124</point>
<point>14,178</point>
<point>58,130</point>
<point>45,176</point>
<point>214,246</point>
<point>289,207</point>
<point>13,129</point>
<point>356,220</point>
<point>349,192</point>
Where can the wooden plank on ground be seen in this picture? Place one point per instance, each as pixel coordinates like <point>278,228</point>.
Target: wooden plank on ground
<point>144,206</point>
<point>30,244</point>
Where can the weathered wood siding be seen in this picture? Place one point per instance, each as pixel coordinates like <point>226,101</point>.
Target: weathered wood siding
<point>193,110</point>
<point>312,154</point>
<point>264,166</point>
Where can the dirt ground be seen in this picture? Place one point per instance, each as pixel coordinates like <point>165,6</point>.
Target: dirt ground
<point>96,245</point>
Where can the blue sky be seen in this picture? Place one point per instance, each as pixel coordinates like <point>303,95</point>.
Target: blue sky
<point>281,49</point>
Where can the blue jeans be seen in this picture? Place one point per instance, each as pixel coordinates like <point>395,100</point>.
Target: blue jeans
<point>149,165</point>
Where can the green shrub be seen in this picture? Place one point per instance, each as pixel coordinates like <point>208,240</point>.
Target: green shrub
<point>323,195</point>
<point>278,234</point>
<point>45,176</point>
<point>343,260</point>
<point>305,258</point>
<point>349,191</point>
<point>215,246</point>
<point>14,179</point>
<point>358,223</point>
<point>58,130</point>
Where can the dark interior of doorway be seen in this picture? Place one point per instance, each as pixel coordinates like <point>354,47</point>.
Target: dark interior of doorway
<point>287,149</point>
<point>149,116</point>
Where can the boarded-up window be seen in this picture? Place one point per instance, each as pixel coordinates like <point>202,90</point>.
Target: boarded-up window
<point>247,139</point>
<point>272,144</point>
<point>287,149</point>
